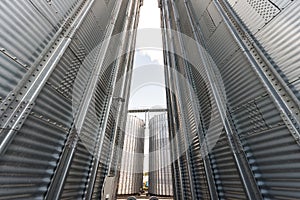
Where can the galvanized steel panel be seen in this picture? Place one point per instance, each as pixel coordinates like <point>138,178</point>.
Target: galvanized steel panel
<point>52,106</point>
<point>183,20</point>
<point>29,162</point>
<point>90,33</point>
<point>72,73</point>
<point>273,156</point>
<point>64,8</point>
<point>257,115</point>
<point>232,2</point>
<point>280,41</point>
<point>240,81</point>
<point>200,6</point>
<point>121,19</point>
<point>110,4</point>
<point>56,12</point>
<point>228,181</point>
<point>28,28</point>
<point>25,32</point>
<point>244,10</point>
<point>296,90</point>
<point>207,25</point>
<point>67,62</point>
<point>78,174</point>
<point>193,177</point>
<point>221,44</point>
<point>48,12</point>
<point>281,3</point>
<point>215,15</point>
<point>101,13</point>
<point>257,119</point>
<point>11,73</point>
<point>101,173</point>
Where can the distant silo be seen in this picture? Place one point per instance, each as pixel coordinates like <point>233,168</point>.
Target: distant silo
<point>131,173</point>
<point>160,177</point>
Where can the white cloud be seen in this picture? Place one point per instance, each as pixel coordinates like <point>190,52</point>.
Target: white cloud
<point>155,55</point>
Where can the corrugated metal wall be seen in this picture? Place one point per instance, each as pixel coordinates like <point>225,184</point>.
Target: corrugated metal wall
<point>57,74</point>
<point>240,60</point>
<point>160,175</point>
<point>233,96</point>
<point>132,166</point>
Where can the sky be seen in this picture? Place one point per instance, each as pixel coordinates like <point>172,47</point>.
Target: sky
<point>150,18</point>
<point>148,85</point>
<point>147,88</point>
